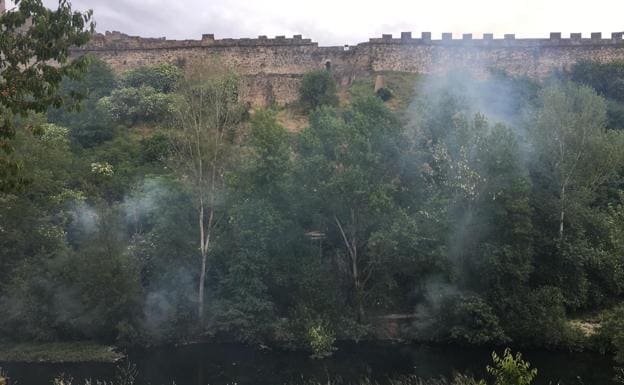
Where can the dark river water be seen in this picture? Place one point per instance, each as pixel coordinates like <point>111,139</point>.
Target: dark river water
<point>220,364</point>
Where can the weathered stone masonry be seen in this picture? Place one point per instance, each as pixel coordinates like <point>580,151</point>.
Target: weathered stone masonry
<point>273,67</point>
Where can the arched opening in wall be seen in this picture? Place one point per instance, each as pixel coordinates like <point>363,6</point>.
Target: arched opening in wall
<point>328,65</point>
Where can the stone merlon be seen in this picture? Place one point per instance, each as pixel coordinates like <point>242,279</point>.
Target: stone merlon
<point>273,66</point>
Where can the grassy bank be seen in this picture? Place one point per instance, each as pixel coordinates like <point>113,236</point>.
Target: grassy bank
<point>57,352</point>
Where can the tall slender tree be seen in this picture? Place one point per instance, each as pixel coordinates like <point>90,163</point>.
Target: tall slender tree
<point>207,113</point>
<point>572,141</point>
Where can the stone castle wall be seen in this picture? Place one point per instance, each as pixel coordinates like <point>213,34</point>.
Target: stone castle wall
<point>273,68</point>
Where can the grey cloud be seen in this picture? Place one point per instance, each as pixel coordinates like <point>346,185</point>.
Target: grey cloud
<point>332,22</point>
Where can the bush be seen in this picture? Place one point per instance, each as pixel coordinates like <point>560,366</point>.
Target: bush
<point>467,320</point>
<point>384,94</point>
<point>610,335</point>
<point>134,105</point>
<point>511,370</point>
<point>619,375</point>
<point>321,340</point>
<point>318,88</point>
<point>536,317</point>
<point>155,148</point>
<point>161,77</point>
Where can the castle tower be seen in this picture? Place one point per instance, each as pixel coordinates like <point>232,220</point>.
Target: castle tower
<point>2,6</point>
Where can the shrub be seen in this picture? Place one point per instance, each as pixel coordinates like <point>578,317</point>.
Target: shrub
<point>611,333</point>
<point>318,88</point>
<point>384,94</point>
<point>161,77</point>
<point>467,320</point>
<point>321,340</point>
<point>619,375</point>
<point>134,105</point>
<point>155,148</point>
<point>511,370</point>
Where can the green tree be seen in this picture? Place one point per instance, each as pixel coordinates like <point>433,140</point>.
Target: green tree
<point>205,119</point>
<point>34,58</point>
<point>258,256</point>
<point>608,80</point>
<point>32,220</point>
<point>574,160</point>
<point>573,143</point>
<point>348,170</point>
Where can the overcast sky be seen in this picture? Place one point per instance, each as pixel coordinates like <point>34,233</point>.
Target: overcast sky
<point>337,22</point>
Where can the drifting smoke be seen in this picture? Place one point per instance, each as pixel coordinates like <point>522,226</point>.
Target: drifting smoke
<point>114,240</point>
<point>85,217</point>
<point>166,293</point>
<point>433,294</point>
<point>143,203</point>
<point>164,301</point>
<point>440,102</point>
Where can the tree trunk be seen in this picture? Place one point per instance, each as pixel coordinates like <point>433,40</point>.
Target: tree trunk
<point>202,275</point>
<point>202,282</point>
<point>205,230</point>
<point>351,245</point>
<point>562,212</point>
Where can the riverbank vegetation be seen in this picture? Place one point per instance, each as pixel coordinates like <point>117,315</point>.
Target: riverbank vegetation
<point>166,210</point>
<point>508,369</point>
<point>58,352</point>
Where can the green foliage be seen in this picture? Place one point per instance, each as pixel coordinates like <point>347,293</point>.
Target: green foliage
<point>155,148</point>
<point>468,320</point>
<point>268,159</point>
<point>536,317</point>
<point>400,88</point>
<point>144,96</point>
<point>59,352</point>
<point>619,375</point>
<point>91,124</point>
<point>133,105</point>
<point>318,88</point>
<point>610,336</point>
<point>384,94</point>
<point>161,77</point>
<point>608,80</point>
<point>574,156</point>
<point>348,169</point>
<point>80,294</point>
<point>511,370</point>
<point>321,341</point>
<point>34,87</point>
<point>314,235</point>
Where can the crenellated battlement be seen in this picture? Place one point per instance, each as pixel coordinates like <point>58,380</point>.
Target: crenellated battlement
<point>119,41</point>
<point>273,67</point>
<point>116,40</point>
<point>508,40</point>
